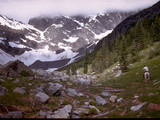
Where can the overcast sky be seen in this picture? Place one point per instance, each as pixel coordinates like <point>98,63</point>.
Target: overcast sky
<point>23,10</point>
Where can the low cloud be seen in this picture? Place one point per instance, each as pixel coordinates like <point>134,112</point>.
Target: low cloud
<point>25,9</point>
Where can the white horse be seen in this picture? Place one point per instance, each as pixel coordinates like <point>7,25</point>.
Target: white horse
<point>146,76</point>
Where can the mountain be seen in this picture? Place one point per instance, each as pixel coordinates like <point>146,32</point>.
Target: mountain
<point>54,38</point>
<point>131,21</point>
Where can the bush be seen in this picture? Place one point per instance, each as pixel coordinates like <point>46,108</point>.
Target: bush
<point>92,103</point>
<point>93,111</point>
<point>66,102</point>
<point>24,73</point>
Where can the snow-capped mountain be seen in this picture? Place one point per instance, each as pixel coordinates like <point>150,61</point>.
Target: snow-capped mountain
<point>50,39</point>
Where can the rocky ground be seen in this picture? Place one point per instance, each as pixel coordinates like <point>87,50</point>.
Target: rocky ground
<point>58,95</point>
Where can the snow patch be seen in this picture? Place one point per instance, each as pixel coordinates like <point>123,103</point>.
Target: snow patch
<point>71,39</point>
<point>64,46</point>
<point>12,44</point>
<point>100,36</point>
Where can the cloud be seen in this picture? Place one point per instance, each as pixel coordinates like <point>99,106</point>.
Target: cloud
<point>25,9</point>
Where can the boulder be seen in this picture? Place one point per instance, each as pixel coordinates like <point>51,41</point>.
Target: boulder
<point>3,90</point>
<point>138,107</point>
<point>119,100</point>
<point>54,88</point>
<point>100,100</point>
<point>73,92</point>
<point>42,113</point>
<point>153,107</point>
<point>106,94</point>
<point>19,90</point>
<point>63,112</point>
<point>42,97</point>
<point>15,114</point>
<point>2,80</point>
<point>41,72</point>
<point>113,99</point>
<point>16,81</point>
<point>118,73</point>
<point>80,110</point>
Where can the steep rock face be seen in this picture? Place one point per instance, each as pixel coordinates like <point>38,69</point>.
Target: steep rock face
<point>14,69</point>
<point>68,31</point>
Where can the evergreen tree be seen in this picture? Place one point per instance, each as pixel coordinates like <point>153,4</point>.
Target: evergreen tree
<point>73,69</point>
<point>86,62</point>
<point>123,55</point>
<point>99,63</point>
<point>156,29</point>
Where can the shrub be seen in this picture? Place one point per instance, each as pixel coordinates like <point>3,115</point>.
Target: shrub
<point>65,102</point>
<point>92,103</point>
<point>93,111</point>
<point>24,73</point>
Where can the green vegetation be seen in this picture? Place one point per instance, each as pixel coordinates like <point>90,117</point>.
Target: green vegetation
<point>92,111</point>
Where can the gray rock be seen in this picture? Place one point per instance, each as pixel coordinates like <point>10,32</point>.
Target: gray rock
<point>42,97</point>
<point>2,80</point>
<point>3,90</point>
<point>73,92</point>
<point>4,116</point>
<point>118,73</point>
<point>54,88</point>
<point>16,114</point>
<point>80,110</point>
<point>106,94</point>
<point>113,99</point>
<point>150,94</point>
<point>42,72</point>
<point>119,100</point>
<point>63,112</point>
<point>75,116</point>
<point>138,107</point>
<point>42,113</point>
<point>19,90</point>
<point>100,100</point>
<point>16,81</point>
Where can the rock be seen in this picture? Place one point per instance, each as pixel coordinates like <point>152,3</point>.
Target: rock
<point>2,80</point>
<point>50,116</point>
<point>19,90</point>
<point>150,94</point>
<point>41,72</point>
<point>42,113</point>
<point>42,97</point>
<point>119,100</point>
<point>16,81</point>
<point>100,100</point>
<point>16,114</point>
<point>63,112</point>
<point>106,94</point>
<point>153,107</point>
<point>3,90</point>
<point>113,99</point>
<point>80,110</point>
<point>118,73</point>
<point>4,116</point>
<point>75,116</point>
<point>54,88</point>
<point>73,92</point>
<point>136,96</point>
<point>86,103</point>
<point>138,107</point>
